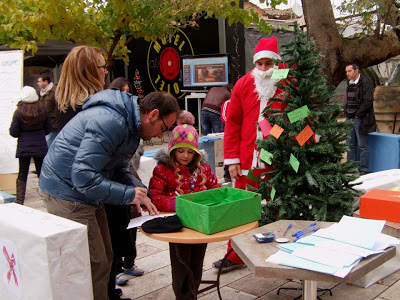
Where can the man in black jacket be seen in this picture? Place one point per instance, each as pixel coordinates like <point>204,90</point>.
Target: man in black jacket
<point>48,99</point>
<point>359,109</point>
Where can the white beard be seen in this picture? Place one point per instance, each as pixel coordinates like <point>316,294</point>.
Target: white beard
<point>264,85</point>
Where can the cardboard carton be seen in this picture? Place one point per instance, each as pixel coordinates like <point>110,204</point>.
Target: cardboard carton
<point>381,205</point>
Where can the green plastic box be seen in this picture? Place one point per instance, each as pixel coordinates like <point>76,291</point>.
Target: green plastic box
<point>218,209</point>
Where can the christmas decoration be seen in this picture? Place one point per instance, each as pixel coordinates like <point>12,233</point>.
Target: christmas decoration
<point>309,181</point>
<point>138,84</point>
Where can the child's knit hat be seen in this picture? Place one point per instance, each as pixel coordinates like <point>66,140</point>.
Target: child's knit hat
<point>28,95</point>
<point>184,135</point>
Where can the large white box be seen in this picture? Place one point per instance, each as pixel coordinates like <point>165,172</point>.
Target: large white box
<point>42,256</point>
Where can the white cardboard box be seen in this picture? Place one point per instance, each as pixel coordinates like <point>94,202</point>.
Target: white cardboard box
<point>42,256</point>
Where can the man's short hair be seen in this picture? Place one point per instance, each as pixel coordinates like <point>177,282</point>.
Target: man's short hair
<point>45,77</point>
<point>355,66</point>
<point>163,101</point>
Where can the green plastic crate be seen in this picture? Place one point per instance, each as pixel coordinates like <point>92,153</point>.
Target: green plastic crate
<point>218,209</point>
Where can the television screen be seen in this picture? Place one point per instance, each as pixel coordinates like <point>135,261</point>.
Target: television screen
<point>205,71</point>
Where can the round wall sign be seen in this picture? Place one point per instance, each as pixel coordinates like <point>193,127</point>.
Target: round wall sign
<point>164,62</point>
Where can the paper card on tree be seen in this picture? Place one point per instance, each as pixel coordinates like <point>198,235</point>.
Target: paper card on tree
<point>273,191</point>
<point>265,127</point>
<point>294,163</point>
<point>304,135</point>
<point>276,131</point>
<point>251,175</point>
<point>42,256</point>
<point>280,73</point>
<point>298,114</point>
<point>266,156</point>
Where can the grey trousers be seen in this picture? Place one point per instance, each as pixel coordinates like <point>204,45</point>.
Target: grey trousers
<point>95,218</point>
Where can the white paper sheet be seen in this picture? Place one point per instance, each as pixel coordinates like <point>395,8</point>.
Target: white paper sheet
<point>351,249</point>
<point>355,231</point>
<point>325,256</point>
<point>137,222</point>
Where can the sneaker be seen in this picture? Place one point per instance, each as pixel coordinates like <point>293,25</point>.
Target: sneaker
<point>118,292</point>
<point>121,279</point>
<point>229,266</point>
<point>117,295</point>
<point>134,271</point>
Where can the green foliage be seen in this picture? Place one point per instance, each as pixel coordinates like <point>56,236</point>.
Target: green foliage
<point>320,190</point>
<point>372,16</point>
<point>104,24</point>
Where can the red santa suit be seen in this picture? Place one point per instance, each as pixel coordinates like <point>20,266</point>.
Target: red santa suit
<point>241,130</point>
<point>249,98</point>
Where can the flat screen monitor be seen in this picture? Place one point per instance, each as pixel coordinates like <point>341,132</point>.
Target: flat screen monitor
<point>205,71</point>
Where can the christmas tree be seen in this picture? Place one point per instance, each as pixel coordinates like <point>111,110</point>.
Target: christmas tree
<point>309,181</point>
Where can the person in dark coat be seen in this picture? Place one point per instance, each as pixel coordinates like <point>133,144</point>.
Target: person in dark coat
<point>30,124</point>
<point>48,99</point>
<point>123,240</point>
<point>211,109</point>
<point>359,109</point>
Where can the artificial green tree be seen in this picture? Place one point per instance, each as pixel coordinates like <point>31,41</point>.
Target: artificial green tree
<point>320,189</point>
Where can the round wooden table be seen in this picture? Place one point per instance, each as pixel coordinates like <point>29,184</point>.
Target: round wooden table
<point>190,236</point>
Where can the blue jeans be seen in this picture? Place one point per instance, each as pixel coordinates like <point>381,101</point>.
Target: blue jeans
<point>358,140</point>
<point>211,122</point>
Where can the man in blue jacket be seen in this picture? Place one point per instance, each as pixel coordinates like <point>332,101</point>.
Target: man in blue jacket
<point>87,166</point>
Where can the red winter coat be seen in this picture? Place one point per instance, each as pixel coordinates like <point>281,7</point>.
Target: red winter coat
<point>163,183</point>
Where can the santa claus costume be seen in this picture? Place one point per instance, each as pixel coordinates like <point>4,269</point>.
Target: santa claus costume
<point>250,96</point>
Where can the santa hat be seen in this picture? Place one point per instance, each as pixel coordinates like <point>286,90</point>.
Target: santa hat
<point>28,95</point>
<point>266,48</point>
<point>184,135</point>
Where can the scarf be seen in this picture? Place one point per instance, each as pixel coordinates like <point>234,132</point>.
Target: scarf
<point>46,90</point>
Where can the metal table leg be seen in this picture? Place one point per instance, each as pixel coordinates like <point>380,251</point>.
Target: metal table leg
<point>309,290</point>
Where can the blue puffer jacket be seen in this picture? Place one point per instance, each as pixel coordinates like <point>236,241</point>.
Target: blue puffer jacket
<point>87,161</point>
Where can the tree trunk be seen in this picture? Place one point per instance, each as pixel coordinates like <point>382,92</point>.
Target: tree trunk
<point>339,51</point>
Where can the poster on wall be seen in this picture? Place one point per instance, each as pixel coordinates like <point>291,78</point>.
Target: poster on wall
<point>11,77</point>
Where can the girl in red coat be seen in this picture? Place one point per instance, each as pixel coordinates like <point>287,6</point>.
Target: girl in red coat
<point>182,170</point>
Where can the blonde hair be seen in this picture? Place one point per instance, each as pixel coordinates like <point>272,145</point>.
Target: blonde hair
<point>79,78</point>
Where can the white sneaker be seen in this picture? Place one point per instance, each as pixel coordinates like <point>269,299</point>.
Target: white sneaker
<point>121,279</point>
<point>134,271</point>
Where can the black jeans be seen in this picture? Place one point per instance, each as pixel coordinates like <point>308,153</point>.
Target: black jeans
<point>24,163</point>
<point>193,255</point>
<point>123,241</point>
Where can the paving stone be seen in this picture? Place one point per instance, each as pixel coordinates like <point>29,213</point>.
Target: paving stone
<point>393,292</point>
<point>257,286</point>
<point>154,261</point>
<point>148,283</point>
<point>353,292</point>
<point>228,293</point>
<point>162,294</point>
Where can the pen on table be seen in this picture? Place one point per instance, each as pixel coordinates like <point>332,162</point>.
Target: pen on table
<point>305,230</point>
<point>287,229</point>
<point>306,234</point>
